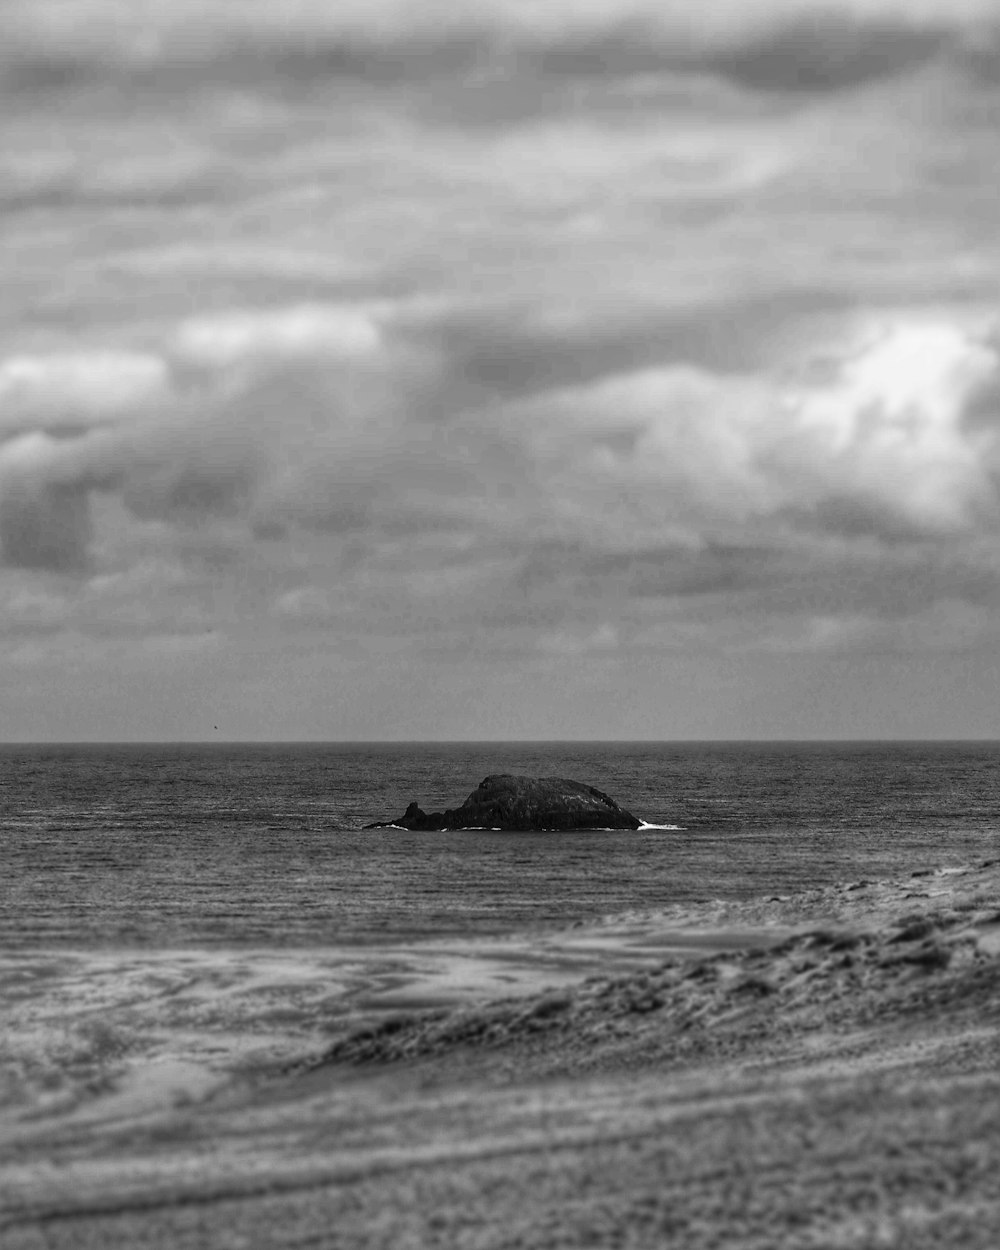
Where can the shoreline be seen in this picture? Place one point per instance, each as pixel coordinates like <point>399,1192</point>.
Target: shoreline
<point>98,1017</point>
<point>862,949</point>
<point>863,1017</point>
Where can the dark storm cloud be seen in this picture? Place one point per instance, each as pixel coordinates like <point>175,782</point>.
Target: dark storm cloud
<point>678,572</point>
<point>82,193</point>
<point>675,572</point>
<point>188,490</point>
<point>47,527</point>
<point>794,49</point>
<point>74,426</point>
<point>888,579</point>
<point>848,516</point>
<point>517,352</point>
<point>281,64</point>
<point>830,52</point>
<point>982,413</point>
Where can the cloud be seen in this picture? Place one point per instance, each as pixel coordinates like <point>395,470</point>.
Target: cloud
<point>304,603</point>
<point>663,482</point>
<point>47,177</point>
<point>776,45</point>
<point>197,433</point>
<point>44,528</point>
<point>306,331</point>
<point>44,514</point>
<point>78,389</point>
<point>500,330</point>
<point>888,431</point>
<point>868,445</point>
<point>945,625</point>
<point>604,639</point>
<point>63,418</point>
<point>830,52</point>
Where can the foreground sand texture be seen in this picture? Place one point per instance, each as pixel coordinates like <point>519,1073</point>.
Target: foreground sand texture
<point>816,1071</point>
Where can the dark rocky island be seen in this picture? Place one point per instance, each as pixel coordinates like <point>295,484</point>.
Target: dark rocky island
<point>523,803</point>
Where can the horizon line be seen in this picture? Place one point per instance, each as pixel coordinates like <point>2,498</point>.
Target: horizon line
<point>461,741</point>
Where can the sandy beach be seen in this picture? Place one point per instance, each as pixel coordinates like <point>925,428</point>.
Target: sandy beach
<point>821,1069</point>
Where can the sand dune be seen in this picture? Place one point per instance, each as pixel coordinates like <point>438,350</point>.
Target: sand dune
<point>818,1070</point>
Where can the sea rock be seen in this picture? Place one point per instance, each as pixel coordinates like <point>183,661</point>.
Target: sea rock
<point>506,801</point>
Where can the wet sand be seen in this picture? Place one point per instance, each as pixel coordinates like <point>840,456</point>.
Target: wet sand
<point>817,1070</point>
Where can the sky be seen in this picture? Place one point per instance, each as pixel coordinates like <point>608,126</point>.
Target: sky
<point>596,369</point>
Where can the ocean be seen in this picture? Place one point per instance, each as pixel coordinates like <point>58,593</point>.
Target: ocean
<point>264,845</point>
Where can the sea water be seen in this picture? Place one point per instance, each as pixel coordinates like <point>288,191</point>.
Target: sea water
<point>167,846</point>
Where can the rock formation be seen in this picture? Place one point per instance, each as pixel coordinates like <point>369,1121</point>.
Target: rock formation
<point>529,803</point>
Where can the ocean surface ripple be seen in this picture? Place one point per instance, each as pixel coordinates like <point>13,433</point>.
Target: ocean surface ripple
<point>263,844</point>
